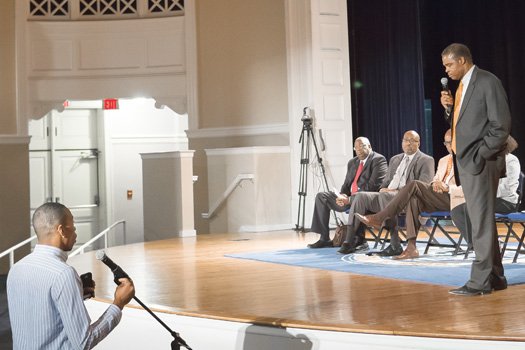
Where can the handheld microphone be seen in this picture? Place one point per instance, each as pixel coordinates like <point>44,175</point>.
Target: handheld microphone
<point>444,87</point>
<point>117,270</point>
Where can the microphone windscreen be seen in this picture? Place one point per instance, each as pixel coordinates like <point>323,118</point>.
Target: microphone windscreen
<point>100,254</point>
<point>444,82</point>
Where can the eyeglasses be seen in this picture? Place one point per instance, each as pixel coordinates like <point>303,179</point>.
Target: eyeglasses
<point>410,141</point>
<point>362,146</point>
<point>447,143</point>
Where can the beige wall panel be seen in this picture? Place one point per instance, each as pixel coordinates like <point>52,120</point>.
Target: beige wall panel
<point>334,107</point>
<point>117,51</point>
<point>241,62</point>
<point>165,51</point>
<point>332,72</point>
<point>7,68</point>
<point>330,36</point>
<point>14,206</point>
<point>329,7</point>
<point>54,55</point>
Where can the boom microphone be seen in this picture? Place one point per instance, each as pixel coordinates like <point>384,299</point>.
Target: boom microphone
<point>119,273</point>
<point>117,270</point>
<point>444,87</point>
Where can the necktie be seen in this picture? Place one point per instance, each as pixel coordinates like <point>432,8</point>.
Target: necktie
<point>457,105</point>
<point>403,179</point>
<point>354,187</point>
<point>399,175</point>
<point>449,169</point>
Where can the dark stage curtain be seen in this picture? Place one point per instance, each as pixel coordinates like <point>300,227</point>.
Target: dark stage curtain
<point>386,72</point>
<point>494,30</point>
<point>395,57</point>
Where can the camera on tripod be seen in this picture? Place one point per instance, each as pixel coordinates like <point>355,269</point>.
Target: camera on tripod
<point>306,118</point>
<point>307,137</point>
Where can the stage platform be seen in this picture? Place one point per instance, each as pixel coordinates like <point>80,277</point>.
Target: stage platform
<point>191,277</point>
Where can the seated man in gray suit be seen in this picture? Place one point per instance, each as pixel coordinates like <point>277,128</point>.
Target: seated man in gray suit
<point>410,165</point>
<point>365,172</point>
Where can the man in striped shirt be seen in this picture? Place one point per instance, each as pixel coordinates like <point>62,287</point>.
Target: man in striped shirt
<point>46,307</point>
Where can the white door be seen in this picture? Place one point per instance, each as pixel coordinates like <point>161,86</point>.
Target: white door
<point>67,171</point>
<point>75,184</point>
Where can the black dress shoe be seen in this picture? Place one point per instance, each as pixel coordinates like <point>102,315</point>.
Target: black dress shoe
<point>391,251</point>
<point>321,244</point>
<point>346,248</point>
<point>498,283</point>
<point>468,292</point>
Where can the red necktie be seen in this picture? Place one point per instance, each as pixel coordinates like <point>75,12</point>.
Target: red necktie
<point>356,177</point>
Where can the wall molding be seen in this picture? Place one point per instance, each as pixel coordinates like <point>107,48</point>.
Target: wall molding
<point>254,130</point>
<point>14,140</point>
<point>247,150</point>
<point>177,139</point>
<point>168,155</point>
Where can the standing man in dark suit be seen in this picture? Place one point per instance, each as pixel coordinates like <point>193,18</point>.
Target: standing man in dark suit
<point>365,172</point>
<point>410,165</point>
<point>480,126</point>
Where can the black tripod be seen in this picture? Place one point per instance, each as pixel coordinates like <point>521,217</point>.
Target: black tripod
<point>304,140</point>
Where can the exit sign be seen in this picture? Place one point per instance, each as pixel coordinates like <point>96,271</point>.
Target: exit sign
<point>110,103</point>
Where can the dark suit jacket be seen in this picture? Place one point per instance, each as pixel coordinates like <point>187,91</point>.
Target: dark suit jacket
<point>421,168</point>
<point>483,124</point>
<point>372,176</point>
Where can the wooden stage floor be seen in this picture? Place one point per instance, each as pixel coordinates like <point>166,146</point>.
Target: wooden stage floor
<point>191,277</point>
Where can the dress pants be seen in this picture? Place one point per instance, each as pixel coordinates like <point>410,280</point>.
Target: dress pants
<point>415,198</point>
<point>324,203</point>
<point>364,203</point>
<point>480,197</point>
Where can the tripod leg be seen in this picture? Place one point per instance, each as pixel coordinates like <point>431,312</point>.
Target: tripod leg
<point>303,180</point>
<point>323,172</point>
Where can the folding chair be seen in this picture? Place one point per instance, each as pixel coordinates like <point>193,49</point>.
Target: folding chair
<point>401,220</point>
<point>436,218</point>
<point>514,218</point>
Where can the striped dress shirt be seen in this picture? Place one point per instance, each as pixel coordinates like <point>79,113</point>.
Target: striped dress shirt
<point>45,303</point>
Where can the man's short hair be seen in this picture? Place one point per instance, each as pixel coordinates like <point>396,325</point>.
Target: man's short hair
<point>456,51</point>
<point>364,140</point>
<point>47,217</point>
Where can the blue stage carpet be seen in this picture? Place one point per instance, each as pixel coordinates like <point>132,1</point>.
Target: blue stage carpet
<point>437,267</point>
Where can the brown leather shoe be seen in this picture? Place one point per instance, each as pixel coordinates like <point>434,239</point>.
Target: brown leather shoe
<point>409,253</point>
<point>369,220</point>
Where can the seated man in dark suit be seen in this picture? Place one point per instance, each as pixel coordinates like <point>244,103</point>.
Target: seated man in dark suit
<point>410,165</point>
<point>416,197</point>
<point>365,172</point>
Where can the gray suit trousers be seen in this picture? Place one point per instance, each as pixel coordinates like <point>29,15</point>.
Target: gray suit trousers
<point>480,196</point>
<point>364,203</point>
